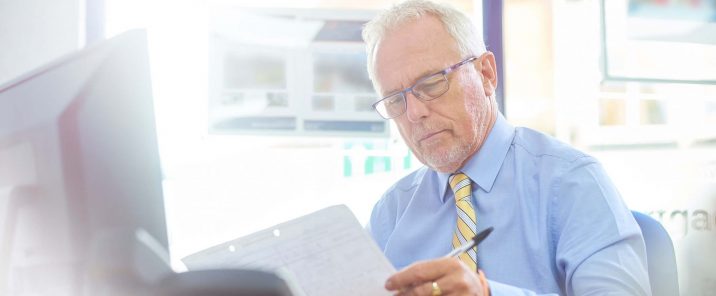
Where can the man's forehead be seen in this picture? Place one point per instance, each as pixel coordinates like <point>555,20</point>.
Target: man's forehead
<point>410,51</point>
<point>425,33</point>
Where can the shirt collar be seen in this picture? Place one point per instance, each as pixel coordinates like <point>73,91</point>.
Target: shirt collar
<point>483,166</point>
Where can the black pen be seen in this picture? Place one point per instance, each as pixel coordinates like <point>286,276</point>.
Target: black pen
<point>472,243</point>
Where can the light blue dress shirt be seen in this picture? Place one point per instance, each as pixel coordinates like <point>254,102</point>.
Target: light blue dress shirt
<point>561,227</point>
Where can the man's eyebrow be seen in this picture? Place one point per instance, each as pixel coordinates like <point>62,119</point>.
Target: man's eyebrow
<point>389,93</point>
<point>424,74</point>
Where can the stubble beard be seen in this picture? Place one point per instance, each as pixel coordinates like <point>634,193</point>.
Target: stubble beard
<point>448,161</point>
<point>454,156</point>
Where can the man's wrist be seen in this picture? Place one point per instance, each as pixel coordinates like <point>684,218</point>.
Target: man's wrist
<point>483,282</point>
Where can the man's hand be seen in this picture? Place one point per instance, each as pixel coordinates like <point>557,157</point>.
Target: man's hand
<point>452,277</point>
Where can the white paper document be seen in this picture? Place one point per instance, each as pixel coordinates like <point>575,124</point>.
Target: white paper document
<point>324,253</point>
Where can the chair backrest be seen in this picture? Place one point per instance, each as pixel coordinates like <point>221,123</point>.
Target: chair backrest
<point>660,256</point>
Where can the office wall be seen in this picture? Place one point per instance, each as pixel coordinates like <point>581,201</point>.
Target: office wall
<point>33,32</point>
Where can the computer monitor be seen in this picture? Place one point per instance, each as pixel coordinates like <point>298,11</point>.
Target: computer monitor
<point>80,179</point>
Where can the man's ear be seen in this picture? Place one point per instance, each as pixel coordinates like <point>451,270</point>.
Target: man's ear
<point>486,66</point>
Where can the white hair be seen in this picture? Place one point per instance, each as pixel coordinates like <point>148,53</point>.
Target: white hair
<point>457,24</point>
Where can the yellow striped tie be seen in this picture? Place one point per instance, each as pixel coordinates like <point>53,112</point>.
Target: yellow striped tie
<point>466,218</point>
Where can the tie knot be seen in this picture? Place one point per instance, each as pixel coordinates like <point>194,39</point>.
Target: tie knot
<point>460,185</point>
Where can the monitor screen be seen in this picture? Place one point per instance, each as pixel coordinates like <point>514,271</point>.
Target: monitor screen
<point>79,171</point>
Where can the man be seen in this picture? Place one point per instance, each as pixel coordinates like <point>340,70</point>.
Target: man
<point>560,226</point>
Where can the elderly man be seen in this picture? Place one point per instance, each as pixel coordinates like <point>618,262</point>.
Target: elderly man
<point>560,226</point>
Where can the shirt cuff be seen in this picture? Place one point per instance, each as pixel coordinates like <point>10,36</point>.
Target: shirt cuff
<point>500,289</point>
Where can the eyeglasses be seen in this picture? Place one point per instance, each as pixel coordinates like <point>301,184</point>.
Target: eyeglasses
<point>427,88</point>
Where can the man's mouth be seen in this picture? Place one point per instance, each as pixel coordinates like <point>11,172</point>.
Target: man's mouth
<point>429,135</point>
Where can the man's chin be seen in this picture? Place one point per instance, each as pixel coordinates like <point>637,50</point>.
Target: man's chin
<point>441,163</point>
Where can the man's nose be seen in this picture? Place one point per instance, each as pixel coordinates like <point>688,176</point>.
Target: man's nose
<point>416,109</point>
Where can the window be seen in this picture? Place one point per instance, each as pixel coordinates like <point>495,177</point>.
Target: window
<point>311,83</point>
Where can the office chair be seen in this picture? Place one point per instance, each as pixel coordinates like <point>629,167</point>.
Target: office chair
<point>660,256</point>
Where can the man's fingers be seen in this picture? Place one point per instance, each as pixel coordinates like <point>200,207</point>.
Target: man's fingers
<point>422,289</point>
<point>448,285</point>
<point>421,272</point>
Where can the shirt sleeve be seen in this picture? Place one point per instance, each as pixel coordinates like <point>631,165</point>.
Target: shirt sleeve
<point>380,224</point>
<point>599,246</point>
<point>499,289</point>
